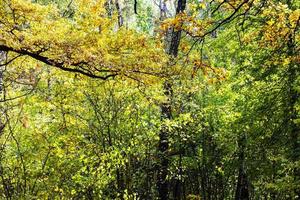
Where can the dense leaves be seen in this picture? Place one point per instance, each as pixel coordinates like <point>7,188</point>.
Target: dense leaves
<point>149,100</point>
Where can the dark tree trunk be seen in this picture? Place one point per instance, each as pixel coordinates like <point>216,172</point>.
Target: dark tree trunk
<point>163,145</point>
<point>242,188</point>
<point>2,67</point>
<point>119,11</point>
<point>293,96</point>
<point>166,114</point>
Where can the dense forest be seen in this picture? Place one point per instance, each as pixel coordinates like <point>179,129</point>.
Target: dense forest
<point>150,99</point>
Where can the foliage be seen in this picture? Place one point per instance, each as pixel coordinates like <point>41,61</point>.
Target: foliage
<point>82,99</point>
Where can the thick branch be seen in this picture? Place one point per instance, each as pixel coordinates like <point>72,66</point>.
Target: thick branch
<point>54,63</point>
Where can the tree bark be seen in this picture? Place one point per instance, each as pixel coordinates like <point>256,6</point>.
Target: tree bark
<point>242,188</point>
<point>166,114</point>
<point>2,67</point>
<point>119,11</point>
<point>5,182</point>
<point>293,96</point>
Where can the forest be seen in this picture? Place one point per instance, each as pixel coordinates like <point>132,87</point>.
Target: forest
<point>149,99</point>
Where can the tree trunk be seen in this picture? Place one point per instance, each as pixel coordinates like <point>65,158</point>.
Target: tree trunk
<point>163,145</point>
<point>7,188</point>
<point>2,68</point>
<point>293,96</point>
<point>119,11</point>
<point>166,114</point>
<point>242,188</point>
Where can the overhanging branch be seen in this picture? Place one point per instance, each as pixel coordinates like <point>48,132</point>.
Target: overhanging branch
<point>60,65</point>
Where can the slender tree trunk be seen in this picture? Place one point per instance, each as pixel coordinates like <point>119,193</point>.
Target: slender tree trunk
<point>163,145</point>
<point>119,11</point>
<point>294,135</point>
<point>109,8</point>
<point>2,68</point>
<point>6,183</point>
<point>203,167</point>
<point>166,114</point>
<point>242,188</point>
<point>293,97</point>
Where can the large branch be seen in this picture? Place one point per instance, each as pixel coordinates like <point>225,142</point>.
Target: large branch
<point>60,65</point>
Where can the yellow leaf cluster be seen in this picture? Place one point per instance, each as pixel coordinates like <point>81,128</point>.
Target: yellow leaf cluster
<point>214,74</point>
<point>191,24</point>
<point>280,25</point>
<point>89,40</point>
